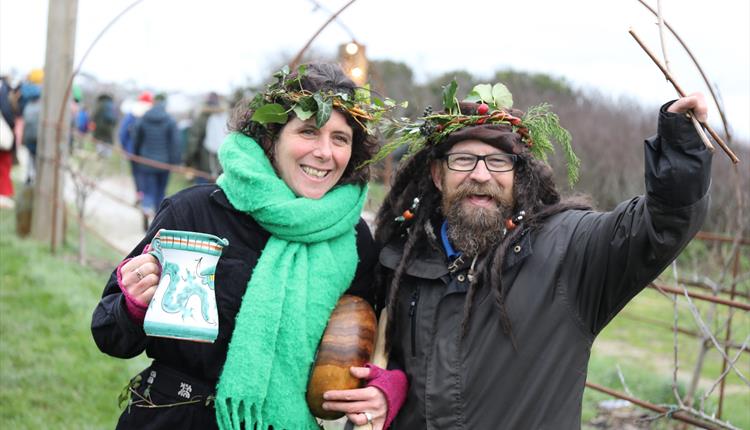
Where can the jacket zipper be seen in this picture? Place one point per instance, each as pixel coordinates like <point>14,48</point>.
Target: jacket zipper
<point>413,316</point>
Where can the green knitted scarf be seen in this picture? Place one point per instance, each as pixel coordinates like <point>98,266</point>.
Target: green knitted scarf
<point>307,264</point>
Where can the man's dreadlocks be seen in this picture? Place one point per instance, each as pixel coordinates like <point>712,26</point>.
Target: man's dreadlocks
<point>534,192</point>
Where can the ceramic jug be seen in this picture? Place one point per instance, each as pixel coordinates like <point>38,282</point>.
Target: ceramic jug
<point>184,304</point>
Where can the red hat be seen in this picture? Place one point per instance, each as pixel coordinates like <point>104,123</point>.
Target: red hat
<point>146,96</point>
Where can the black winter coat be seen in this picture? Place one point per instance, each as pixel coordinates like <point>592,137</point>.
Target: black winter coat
<point>204,208</point>
<point>156,138</point>
<point>565,281</point>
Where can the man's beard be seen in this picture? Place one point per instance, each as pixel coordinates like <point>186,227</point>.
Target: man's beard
<point>474,229</point>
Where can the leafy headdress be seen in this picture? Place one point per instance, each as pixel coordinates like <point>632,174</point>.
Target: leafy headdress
<point>485,114</point>
<point>287,95</point>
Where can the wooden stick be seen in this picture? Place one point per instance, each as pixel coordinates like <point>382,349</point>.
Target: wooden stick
<point>669,77</point>
<point>700,70</point>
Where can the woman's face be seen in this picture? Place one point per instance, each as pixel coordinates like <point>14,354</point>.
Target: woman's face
<point>311,160</point>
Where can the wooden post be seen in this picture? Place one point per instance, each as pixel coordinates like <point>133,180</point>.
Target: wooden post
<point>54,128</point>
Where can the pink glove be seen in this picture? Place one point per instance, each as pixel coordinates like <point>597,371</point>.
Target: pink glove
<point>136,310</point>
<point>393,384</point>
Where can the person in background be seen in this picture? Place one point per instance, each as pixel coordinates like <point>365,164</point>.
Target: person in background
<point>30,108</point>
<point>155,138</point>
<point>288,202</point>
<point>206,135</point>
<point>8,144</point>
<point>104,119</point>
<point>126,133</point>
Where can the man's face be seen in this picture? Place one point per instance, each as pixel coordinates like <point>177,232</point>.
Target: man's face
<point>474,202</point>
<point>478,189</point>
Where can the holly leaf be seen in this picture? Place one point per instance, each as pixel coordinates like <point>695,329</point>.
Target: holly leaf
<point>501,96</point>
<point>484,91</point>
<point>270,113</point>
<point>449,96</point>
<point>325,107</point>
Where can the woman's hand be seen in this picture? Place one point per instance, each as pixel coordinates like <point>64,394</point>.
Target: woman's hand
<point>695,102</point>
<point>354,403</point>
<point>140,277</point>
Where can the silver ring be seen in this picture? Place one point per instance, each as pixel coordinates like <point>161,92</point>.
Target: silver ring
<point>138,274</point>
<point>368,416</point>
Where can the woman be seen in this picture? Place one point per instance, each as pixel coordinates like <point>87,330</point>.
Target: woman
<point>289,206</point>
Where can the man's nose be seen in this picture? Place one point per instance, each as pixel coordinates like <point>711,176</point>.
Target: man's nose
<point>480,172</point>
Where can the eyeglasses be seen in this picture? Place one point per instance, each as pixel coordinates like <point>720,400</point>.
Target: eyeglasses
<point>467,162</point>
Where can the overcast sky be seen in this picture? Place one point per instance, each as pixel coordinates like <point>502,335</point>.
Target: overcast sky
<point>198,46</point>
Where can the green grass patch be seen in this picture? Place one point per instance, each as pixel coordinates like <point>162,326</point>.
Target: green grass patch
<point>641,342</point>
<point>53,375</point>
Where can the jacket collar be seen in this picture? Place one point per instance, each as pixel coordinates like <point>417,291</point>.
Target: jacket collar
<point>433,264</point>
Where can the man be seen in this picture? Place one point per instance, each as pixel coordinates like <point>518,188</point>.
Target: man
<point>205,137</point>
<point>497,287</point>
<point>155,138</point>
<point>104,124</point>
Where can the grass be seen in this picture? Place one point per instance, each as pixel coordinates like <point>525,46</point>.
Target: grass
<point>644,352</point>
<point>52,374</point>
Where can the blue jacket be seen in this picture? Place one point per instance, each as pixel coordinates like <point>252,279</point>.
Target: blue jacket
<point>156,138</point>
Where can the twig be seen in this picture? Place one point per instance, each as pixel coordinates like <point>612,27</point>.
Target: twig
<point>726,371</point>
<point>700,70</point>
<point>707,332</point>
<point>297,58</point>
<point>660,16</point>
<point>318,5</point>
<point>669,77</point>
<point>622,381</point>
<point>675,341</point>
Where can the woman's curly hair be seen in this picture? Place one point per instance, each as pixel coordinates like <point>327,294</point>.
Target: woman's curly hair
<point>317,77</point>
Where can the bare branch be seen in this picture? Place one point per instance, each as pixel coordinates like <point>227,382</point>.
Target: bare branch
<point>669,77</point>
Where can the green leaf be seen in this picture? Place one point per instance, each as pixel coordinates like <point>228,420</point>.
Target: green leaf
<point>270,113</point>
<point>301,69</point>
<point>449,96</point>
<point>301,113</point>
<point>377,102</point>
<point>362,94</point>
<point>282,73</point>
<point>501,96</point>
<point>308,103</point>
<point>325,107</point>
<point>472,97</point>
<point>484,91</point>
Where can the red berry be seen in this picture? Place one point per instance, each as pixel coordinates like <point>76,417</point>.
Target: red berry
<point>482,109</point>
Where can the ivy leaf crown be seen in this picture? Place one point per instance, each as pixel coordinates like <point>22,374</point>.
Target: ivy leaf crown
<point>286,95</point>
<point>539,127</point>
